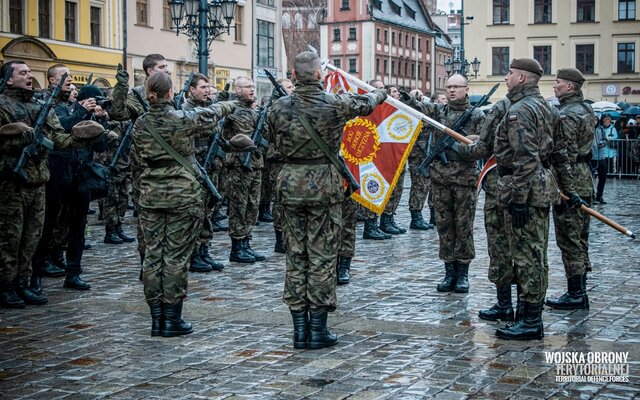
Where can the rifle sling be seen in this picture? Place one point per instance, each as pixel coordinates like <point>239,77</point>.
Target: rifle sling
<point>173,153</point>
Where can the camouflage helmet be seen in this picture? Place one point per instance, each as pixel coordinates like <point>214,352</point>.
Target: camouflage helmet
<point>87,130</point>
<point>14,129</point>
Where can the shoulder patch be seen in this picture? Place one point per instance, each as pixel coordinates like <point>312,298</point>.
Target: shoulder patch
<point>513,117</point>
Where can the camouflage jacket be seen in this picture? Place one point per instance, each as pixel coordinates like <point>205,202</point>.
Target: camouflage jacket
<point>243,120</point>
<point>125,105</point>
<point>483,148</point>
<point>524,140</point>
<point>456,171</point>
<point>164,183</point>
<point>202,136</point>
<point>319,184</point>
<point>577,123</point>
<point>17,105</point>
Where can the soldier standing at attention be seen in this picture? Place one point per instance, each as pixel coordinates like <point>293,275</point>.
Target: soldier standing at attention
<point>171,199</point>
<point>571,224</point>
<point>243,186</point>
<point>523,148</point>
<point>310,190</point>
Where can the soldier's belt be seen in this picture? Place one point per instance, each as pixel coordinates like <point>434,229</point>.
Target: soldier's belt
<point>307,161</point>
<point>154,164</point>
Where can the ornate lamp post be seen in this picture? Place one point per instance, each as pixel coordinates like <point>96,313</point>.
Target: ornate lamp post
<point>202,21</point>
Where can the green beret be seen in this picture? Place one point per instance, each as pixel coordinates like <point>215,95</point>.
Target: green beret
<point>527,64</point>
<point>14,129</point>
<point>242,142</point>
<point>570,74</point>
<point>87,130</point>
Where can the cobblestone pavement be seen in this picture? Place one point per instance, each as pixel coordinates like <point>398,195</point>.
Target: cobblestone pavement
<point>399,338</point>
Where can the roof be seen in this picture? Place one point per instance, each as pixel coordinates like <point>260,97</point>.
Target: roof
<point>407,8</point>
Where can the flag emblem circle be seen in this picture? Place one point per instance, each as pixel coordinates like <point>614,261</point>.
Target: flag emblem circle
<point>400,127</point>
<point>374,186</point>
<point>360,141</point>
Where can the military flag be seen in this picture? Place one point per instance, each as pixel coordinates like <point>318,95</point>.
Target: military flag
<point>376,147</point>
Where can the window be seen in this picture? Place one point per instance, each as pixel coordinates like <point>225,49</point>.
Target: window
<point>393,67</point>
<point>420,72</point>
<point>344,5</point>
<point>386,37</point>
<point>96,26</point>
<point>239,19</point>
<point>400,67</point>
<point>410,12</point>
<point>378,35</point>
<point>413,69</point>
<point>70,9</point>
<point>337,63</point>
<point>166,16</point>
<point>298,20</point>
<point>265,44</point>
<point>377,4</point>
<point>15,16</point>
<point>44,21</point>
<point>427,45</point>
<point>542,12</point>
<point>393,38</point>
<point>420,45</point>
<point>142,12</point>
<point>500,60</point>
<point>386,66</point>
<point>406,69</point>
<point>406,40</point>
<point>543,55</point>
<point>413,43</point>
<point>626,10</point>
<point>269,3</point>
<point>500,12</point>
<point>399,38</point>
<point>352,34</point>
<point>286,21</point>
<point>626,57</point>
<point>586,10</point>
<point>312,21</point>
<point>395,8</point>
<point>336,35</point>
<point>377,65</point>
<point>352,65</point>
<point>584,58</point>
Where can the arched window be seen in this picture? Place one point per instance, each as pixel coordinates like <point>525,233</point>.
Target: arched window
<point>298,20</point>
<point>286,21</point>
<point>312,21</point>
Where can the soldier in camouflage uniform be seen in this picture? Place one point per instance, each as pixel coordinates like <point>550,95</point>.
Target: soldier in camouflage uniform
<point>571,224</point>
<point>23,203</point>
<point>453,189</point>
<point>201,261</point>
<point>243,186</point>
<point>310,190</point>
<point>171,200</point>
<point>526,145</point>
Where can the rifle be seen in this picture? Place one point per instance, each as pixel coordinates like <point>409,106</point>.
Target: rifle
<point>214,149</point>
<point>125,144</point>
<point>89,79</point>
<point>39,139</point>
<point>7,75</point>
<point>446,143</point>
<point>179,98</point>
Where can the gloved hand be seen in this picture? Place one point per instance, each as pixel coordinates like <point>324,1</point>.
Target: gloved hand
<point>122,76</point>
<point>28,137</point>
<point>223,96</point>
<point>519,214</point>
<point>381,95</point>
<point>575,201</point>
<point>456,146</point>
<point>404,96</point>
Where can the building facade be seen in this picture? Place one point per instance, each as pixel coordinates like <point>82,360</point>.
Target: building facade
<point>268,50</point>
<point>390,40</point>
<point>599,37</point>
<point>300,27</point>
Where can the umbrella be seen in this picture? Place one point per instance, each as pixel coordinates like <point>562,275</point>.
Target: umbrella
<point>634,110</point>
<point>624,105</point>
<point>602,106</point>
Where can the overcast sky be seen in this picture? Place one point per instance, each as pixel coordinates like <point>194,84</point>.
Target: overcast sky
<point>444,4</point>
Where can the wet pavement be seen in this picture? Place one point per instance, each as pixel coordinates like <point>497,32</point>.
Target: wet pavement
<point>399,338</point>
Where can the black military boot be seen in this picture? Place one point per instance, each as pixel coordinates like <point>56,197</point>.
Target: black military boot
<point>26,294</point>
<point>386,225</point>
<point>319,335</point>
<point>503,309</point>
<point>418,223</point>
<point>125,238</point>
<point>35,283</point>
<point>449,281</point>
<point>111,236</point>
<point>56,257</point>
<point>264,213</point>
<point>371,230</point>
<point>392,221</point>
<point>238,253</point>
<point>432,216</point>
<point>462,278</point>
<point>9,298</point>
<point>300,329</point>
<point>204,256</point>
<point>528,328</point>
<point>574,299</point>
<point>279,246</point>
<point>157,317</point>
<point>197,263</point>
<point>44,267</point>
<point>73,281</point>
<point>173,325</point>
<point>248,249</point>
<point>218,226</point>
<point>344,265</point>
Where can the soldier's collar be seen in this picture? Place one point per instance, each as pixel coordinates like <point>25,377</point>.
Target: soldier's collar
<point>19,93</point>
<point>524,90</point>
<point>572,97</point>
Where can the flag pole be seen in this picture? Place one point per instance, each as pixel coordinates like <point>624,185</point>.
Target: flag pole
<point>602,218</point>
<point>401,106</point>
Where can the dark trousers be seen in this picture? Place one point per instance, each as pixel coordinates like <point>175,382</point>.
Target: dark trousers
<point>602,167</point>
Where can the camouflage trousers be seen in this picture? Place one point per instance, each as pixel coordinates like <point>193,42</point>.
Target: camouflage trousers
<point>420,185</point>
<point>276,210</point>
<point>529,253</point>
<point>311,236</point>
<point>114,206</point>
<point>22,218</point>
<point>572,237</point>
<point>348,229</point>
<point>394,199</point>
<point>455,210</point>
<point>501,271</point>
<point>243,191</point>
<point>170,237</point>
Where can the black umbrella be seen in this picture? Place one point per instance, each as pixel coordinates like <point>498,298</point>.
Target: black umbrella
<point>634,110</point>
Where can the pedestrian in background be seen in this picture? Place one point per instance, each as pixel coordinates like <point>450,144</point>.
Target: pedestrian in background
<point>603,152</point>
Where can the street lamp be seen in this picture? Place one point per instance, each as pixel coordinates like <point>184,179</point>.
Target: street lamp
<point>202,21</point>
